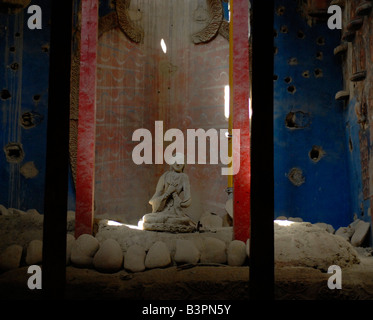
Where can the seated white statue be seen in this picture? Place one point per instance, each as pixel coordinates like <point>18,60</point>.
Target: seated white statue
<point>172,195</point>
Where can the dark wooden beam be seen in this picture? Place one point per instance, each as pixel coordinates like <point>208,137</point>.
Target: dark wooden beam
<point>262,172</point>
<point>57,158</point>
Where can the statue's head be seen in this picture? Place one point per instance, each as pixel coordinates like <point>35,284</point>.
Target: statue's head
<point>177,163</point>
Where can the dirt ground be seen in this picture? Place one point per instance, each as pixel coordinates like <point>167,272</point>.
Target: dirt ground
<point>197,283</point>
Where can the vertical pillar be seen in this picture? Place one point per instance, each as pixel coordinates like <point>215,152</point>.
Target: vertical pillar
<point>57,152</point>
<point>262,180</point>
<point>85,167</point>
<point>240,92</point>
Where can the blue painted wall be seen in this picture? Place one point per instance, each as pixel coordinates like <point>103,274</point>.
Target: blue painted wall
<point>304,59</point>
<point>27,84</point>
<point>30,50</point>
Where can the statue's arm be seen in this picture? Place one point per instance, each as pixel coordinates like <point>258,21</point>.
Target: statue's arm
<point>187,200</point>
<point>158,200</point>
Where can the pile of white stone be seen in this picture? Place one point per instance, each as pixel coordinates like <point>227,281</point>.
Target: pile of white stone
<point>113,248</point>
<point>355,233</point>
<point>11,257</point>
<point>21,235</point>
<point>303,244</point>
<point>117,246</point>
<point>108,256</point>
<point>87,252</point>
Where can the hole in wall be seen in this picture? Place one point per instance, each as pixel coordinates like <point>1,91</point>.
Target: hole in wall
<point>293,61</point>
<point>14,152</point>
<point>296,176</point>
<point>284,29</point>
<point>280,10</point>
<point>320,41</point>
<point>45,48</point>
<point>318,73</point>
<point>350,145</point>
<point>316,153</point>
<point>275,33</point>
<point>319,55</point>
<point>290,120</point>
<point>306,74</point>
<point>288,79</point>
<point>275,77</point>
<point>300,34</point>
<point>14,66</point>
<point>17,34</point>
<point>297,120</point>
<point>291,89</point>
<point>36,97</point>
<point>5,94</point>
<point>30,119</point>
<point>12,49</point>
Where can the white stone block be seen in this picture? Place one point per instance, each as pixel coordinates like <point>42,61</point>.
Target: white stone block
<point>158,256</point>
<point>361,231</point>
<point>213,251</point>
<point>34,253</point>
<point>109,257</point>
<point>11,257</point>
<point>83,251</point>
<point>236,253</point>
<point>134,259</point>
<point>186,252</point>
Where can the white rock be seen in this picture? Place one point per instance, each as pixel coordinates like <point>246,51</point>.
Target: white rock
<point>214,251</point>
<point>83,251</point>
<point>361,231</point>
<point>3,211</point>
<point>303,244</point>
<point>32,211</point>
<point>186,252</point>
<point>325,226</point>
<point>345,232</point>
<point>11,257</point>
<point>16,211</point>
<point>281,218</point>
<point>211,221</point>
<point>248,248</point>
<point>70,239</point>
<point>34,253</point>
<point>236,253</point>
<point>158,256</point>
<point>109,257</point>
<point>134,259</point>
<point>355,222</point>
